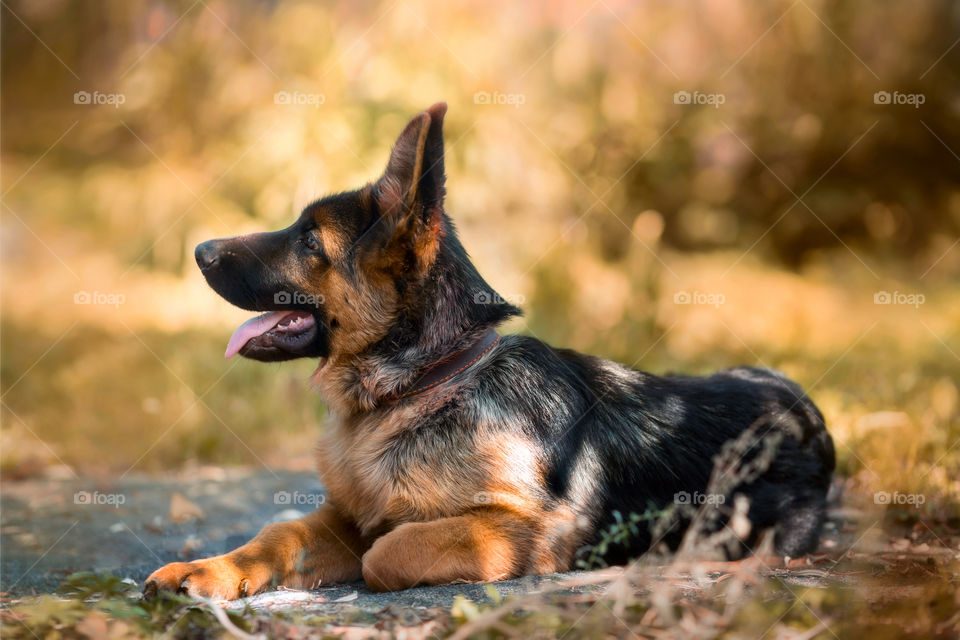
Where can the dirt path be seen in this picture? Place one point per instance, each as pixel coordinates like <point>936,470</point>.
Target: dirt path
<point>52,528</point>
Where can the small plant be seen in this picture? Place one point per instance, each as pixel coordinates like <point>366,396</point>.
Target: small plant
<point>620,533</point>
<point>104,605</point>
<point>86,585</point>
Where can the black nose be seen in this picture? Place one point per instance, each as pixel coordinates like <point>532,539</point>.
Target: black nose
<point>206,255</point>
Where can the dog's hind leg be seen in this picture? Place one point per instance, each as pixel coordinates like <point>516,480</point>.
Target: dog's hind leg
<point>319,548</point>
<point>798,531</point>
<point>481,546</point>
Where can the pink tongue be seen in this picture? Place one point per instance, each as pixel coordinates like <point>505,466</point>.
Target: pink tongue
<point>252,328</point>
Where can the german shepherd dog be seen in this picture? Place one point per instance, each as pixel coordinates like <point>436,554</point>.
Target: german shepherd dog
<point>455,454</point>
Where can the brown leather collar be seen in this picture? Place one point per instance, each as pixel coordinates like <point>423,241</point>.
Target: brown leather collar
<point>451,366</point>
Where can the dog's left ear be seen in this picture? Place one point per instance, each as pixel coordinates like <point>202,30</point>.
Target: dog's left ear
<point>412,185</point>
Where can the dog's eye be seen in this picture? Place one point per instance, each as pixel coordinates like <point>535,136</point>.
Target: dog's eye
<point>311,243</point>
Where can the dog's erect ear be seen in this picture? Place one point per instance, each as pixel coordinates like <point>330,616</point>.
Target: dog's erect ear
<point>413,181</point>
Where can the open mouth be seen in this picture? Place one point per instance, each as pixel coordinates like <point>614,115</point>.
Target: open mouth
<point>289,331</point>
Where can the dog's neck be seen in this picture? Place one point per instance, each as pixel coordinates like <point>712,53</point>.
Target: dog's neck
<point>450,310</point>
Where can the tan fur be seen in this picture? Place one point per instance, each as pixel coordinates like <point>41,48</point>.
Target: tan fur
<point>319,548</point>
<point>427,243</point>
<point>476,547</point>
<point>353,459</point>
<point>364,310</point>
<point>333,243</point>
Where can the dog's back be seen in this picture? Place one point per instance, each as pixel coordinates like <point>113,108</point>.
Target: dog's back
<point>619,440</point>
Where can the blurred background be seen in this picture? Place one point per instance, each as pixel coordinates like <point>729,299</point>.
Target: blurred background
<point>678,186</point>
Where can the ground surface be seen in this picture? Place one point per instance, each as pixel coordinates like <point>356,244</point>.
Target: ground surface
<point>51,530</point>
<point>54,528</point>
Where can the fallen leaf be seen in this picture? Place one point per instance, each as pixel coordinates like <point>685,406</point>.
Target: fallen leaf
<point>94,626</point>
<point>901,544</point>
<point>350,597</point>
<point>190,545</point>
<point>182,509</point>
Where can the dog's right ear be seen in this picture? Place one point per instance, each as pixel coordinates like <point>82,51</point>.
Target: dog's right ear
<point>412,184</point>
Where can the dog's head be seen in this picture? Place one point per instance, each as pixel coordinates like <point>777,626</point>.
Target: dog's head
<point>352,265</point>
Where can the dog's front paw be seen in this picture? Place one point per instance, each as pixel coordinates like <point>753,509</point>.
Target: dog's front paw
<point>216,578</point>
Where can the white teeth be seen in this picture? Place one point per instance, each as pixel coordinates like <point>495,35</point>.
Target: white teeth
<point>290,323</point>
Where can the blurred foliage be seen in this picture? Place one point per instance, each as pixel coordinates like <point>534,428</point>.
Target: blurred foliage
<point>581,187</point>
<point>198,82</point>
<point>104,606</point>
<point>583,190</point>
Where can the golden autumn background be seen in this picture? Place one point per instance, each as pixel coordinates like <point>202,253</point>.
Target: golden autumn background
<point>677,186</point>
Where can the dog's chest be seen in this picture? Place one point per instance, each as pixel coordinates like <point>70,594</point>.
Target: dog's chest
<point>386,472</point>
<point>382,476</point>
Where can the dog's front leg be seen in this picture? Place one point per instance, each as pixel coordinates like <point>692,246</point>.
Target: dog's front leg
<point>483,545</point>
<point>320,548</point>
